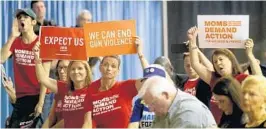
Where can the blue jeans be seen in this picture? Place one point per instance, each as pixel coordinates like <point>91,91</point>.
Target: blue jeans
<point>48,101</point>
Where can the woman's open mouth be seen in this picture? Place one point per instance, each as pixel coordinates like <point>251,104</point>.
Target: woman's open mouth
<point>22,25</point>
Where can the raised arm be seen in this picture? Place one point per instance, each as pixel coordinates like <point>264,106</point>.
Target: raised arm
<point>139,46</point>
<point>203,72</point>
<point>41,73</point>
<point>143,60</point>
<point>5,50</point>
<point>205,61</point>
<point>255,67</point>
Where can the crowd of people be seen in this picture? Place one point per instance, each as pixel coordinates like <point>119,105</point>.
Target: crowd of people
<point>62,93</point>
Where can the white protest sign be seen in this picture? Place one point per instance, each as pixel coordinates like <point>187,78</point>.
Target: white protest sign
<point>223,31</point>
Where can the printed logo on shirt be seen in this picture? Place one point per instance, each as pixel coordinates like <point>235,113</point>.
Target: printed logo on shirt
<point>225,125</point>
<point>105,105</point>
<point>59,106</point>
<point>191,91</point>
<point>24,57</point>
<point>59,103</point>
<point>147,119</point>
<point>72,103</point>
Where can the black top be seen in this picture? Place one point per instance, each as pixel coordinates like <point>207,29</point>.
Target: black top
<point>232,121</point>
<point>180,80</point>
<point>203,90</point>
<point>45,23</point>
<point>262,67</point>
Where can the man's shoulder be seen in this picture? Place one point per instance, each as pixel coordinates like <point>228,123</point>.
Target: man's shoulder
<point>181,76</point>
<point>180,80</point>
<point>49,22</point>
<point>188,103</point>
<point>191,117</point>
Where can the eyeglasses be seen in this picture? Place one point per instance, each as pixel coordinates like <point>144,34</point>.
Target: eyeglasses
<point>61,68</point>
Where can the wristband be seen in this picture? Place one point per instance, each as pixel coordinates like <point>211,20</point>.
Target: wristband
<point>141,56</point>
<point>38,61</point>
<point>192,48</point>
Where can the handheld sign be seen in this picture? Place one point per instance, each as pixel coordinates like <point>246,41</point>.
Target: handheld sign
<point>223,31</point>
<point>110,38</point>
<point>62,43</point>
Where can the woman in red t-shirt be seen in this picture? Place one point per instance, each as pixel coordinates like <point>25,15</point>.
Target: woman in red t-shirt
<point>224,62</point>
<point>73,93</point>
<point>55,116</point>
<point>110,101</point>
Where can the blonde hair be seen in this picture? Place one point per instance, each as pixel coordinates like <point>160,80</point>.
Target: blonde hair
<point>88,78</point>
<point>258,81</point>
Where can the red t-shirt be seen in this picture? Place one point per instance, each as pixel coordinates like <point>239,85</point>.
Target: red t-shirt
<point>73,105</point>
<point>112,108</point>
<point>217,113</point>
<point>26,82</point>
<point>241,77</point>
<point>190,86</point>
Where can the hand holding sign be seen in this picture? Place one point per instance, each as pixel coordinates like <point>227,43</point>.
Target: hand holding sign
<point>62,43</point>
<point>223,31</point>
<point>139,45</point>
<point>93,40</point>
<point>249,46</point>
<point>36,50</point>
<point>110,38</point>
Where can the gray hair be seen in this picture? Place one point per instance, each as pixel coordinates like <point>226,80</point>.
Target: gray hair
<point>166,63</point>
<point>84,11</point>
<point>156,85</point>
